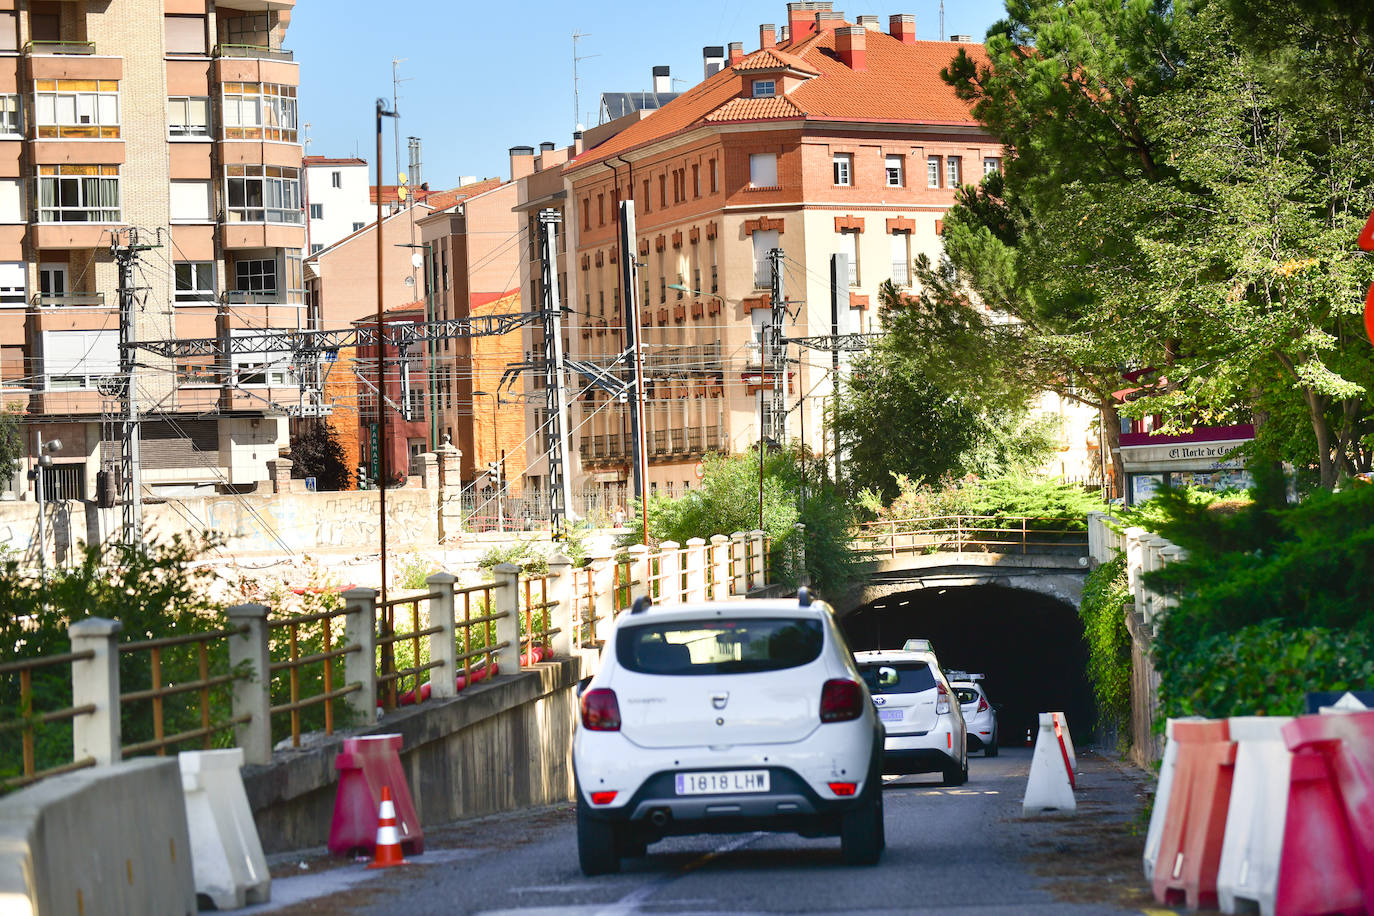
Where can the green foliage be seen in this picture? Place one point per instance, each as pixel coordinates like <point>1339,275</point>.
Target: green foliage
<point>413,572</point>
<point>527,554</point>
<point>1262,670</point>
<point>1105,594</point>
<point>317,597</point>
<point>11,440</point>
<point>728,501</point>
<point>155,591</point>
<point>317,453</point>
<point>1000,497</point>
<point>575,543</point>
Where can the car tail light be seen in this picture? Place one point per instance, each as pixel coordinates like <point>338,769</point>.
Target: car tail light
<point>600,710</point>
<point>844,789</point>
<point>841,700</point>
<point>603,798</point>
<point>942,701</point>
<point>982,704</point>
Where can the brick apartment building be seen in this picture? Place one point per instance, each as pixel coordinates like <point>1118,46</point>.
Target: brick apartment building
<point>176,117</point>
<point>830,138</point>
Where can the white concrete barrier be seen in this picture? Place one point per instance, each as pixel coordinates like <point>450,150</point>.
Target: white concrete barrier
<point>226,854</point>
<point>1048,788</point>
<point>1253,844</point>
<point>1155,833</point>
<point>109,839</point>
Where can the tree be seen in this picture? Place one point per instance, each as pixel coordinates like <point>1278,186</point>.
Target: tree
<point>316,452</point>
<point>11,441</point>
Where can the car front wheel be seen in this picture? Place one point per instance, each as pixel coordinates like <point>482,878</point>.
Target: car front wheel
<point>597,850</point>
<point>861,831</point>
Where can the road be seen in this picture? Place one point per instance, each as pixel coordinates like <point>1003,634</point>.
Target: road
<point>965,851</point>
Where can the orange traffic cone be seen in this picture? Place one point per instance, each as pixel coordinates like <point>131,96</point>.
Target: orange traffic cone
<point>388,840</point>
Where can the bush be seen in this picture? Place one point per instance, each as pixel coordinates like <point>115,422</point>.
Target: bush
<point>1000,497</point>
<point>1109,644</point>
<point>530,558</point>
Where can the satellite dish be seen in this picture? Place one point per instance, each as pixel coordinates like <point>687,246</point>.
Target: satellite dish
<point>410,281</point>
<point>402,192</point>
<point>401,176</point>
<point>417,260</point>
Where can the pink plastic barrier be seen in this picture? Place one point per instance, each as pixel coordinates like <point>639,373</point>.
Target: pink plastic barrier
<point>1328,840</point>
<point>365,765</point>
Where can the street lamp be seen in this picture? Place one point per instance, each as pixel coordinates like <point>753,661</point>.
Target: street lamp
<point>44,451</point>
<point>493,466</point>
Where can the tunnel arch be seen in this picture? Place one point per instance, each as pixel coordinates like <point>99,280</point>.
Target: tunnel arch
<point>1029,644</point>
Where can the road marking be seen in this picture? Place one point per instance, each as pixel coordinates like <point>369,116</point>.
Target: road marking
<point>631,901</point>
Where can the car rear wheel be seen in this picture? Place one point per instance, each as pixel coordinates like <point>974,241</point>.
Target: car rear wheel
<point>597,850</point>
<point>955,774</point>
<point>862,837</point>
<point>991,749</point>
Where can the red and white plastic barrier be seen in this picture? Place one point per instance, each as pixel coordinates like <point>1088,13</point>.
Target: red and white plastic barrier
<point>1052,773</point>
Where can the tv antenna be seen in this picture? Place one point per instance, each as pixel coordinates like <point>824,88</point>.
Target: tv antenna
<point>577,107</point>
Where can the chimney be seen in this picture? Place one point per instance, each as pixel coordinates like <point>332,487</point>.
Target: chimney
<point>768,38</point>
<point>902,26</point>
<point>829,21</point>
<point>712,59</point>
<point>521,162</point>
<point>577,143</point>
<point>736,52</point>
<point>801,17</point>
<point>662,81</point>
<point>783,36</point>
<point>851,44</point>
<point>966,39</point>
<point>547,146</point>
<point>870,23</point>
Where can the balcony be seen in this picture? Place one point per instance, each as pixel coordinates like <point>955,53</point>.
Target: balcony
<point>80,48</point>
<point>253,52</point>
<point>69,300</point>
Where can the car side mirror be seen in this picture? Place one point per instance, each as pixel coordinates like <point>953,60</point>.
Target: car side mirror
<point>582,686</point>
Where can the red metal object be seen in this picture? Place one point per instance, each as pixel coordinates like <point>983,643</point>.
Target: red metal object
<point>1195,823</point>
<point>1327,864</point>
<point>1366,241</point>
<point>366,766</point>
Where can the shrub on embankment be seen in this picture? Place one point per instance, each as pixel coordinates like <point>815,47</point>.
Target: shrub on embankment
<point>1109,645</point>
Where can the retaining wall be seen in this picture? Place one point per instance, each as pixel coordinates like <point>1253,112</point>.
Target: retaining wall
<point>498,746</point>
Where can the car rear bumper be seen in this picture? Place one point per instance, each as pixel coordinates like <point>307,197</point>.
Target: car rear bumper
<point>927,753</point>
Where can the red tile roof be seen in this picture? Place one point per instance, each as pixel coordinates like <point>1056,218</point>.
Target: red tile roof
<point>900,85</point>
<point>325,160</point>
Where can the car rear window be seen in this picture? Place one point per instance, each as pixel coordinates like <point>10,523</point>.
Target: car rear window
<point>966,695</point>
<point>897,677</point>
<point>716,646</point>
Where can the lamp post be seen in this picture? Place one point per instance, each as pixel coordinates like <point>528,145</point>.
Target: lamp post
<point>44,452</point>
<point>494,466</point>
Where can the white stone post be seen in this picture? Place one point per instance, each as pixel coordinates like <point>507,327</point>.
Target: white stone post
<point>758,539</point>
<point>739,582</point>
<point>360,667</point>
<point>600,604</point>
<point>252,695</point>
<point>669,573</point>
<point>694,558</point>
<point>560,591</point>
<point>1133,566</point>
<point>443,646</point>
<point>1096,549</point>
<point>507,598</point>
<point>95,681</point>
<point>639,572</point>
<point>718,567</point>
<point>1171,553</point>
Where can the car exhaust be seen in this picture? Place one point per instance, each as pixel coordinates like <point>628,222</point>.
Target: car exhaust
<point>659,817</point>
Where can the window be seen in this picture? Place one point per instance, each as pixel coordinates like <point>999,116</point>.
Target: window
<point>991,164</point>
<point>715,185</point>
<point>195,281</point>
<point>317,211</point>
<point>188,116</point>
<point>740,645</point>
<point>843,165</point>
<point>260,111</point>
<point>662,191</point>
<point>357,227</point>
<point>586,213</point>
<point>76,108</point>
<point>78,193</point>
<point>255,275</point>
<point>849,246</point>
<point>764,242</point>
<point>763,170</point>
<point>12,208</point>
<point>765,89</point>
<point>13,283</point>
<point>261,369</point>
<point>184,34</point>
<point>696,180</point>
<point>336,179</point>
<point>52,281</point>
<point>78,359</point>
<point>952,171</point>
<point>316,248</point>
<point>9,31</point>
<point>901,258</point>
<point>894,169</point>
<point>645,196</point>
<point>601,209</point>
<point>263,194</point>
<point>11,116</point>
<point>191,201</point>
<point>933,171</point>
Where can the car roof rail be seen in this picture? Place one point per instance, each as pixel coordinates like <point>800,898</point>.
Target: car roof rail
<point>803,597</point>
<point>642,604</point>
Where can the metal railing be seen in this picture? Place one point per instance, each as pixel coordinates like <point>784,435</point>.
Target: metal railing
<point>259,51</point>
<point>59,47</point>
<point>970,534</point>
<point>482,643</point>
<point>293,664</point>
<point>28,720</point>
<point>68,300</point>
<point>414,640</point>
<point>536,623</point>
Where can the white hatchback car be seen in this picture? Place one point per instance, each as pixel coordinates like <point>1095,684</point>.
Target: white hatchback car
<point>925,726</point>
<point>979,715</point>
<point>725,717</point>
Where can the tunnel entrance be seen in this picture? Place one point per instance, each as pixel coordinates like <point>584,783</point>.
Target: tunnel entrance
<point>1030,647</point>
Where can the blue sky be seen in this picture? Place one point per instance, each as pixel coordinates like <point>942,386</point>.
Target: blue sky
<point>483,77</point>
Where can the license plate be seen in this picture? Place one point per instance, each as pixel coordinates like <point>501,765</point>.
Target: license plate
<point>890,715</point>
<point>722,782</point>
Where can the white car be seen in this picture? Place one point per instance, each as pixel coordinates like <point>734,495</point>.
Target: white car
<point>724,717</point>
<point>925,726</point>
<point>980,717</point>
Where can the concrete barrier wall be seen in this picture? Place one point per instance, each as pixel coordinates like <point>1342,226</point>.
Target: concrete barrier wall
<point>104,840</point>
<point>498,746</point>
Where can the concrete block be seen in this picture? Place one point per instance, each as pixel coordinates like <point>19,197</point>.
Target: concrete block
<point>109,839</point>
<point>226,854</point>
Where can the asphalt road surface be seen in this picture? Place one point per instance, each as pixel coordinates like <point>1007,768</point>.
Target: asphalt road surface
<point>966,851</point>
